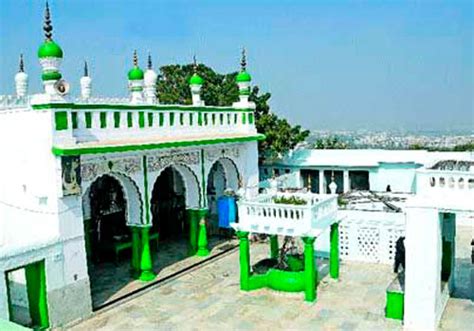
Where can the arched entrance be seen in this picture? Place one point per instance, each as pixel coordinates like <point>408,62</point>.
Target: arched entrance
<point>168,205</point>
<point>222,176</point>
<point>108,218</point>
<point>111,206</point>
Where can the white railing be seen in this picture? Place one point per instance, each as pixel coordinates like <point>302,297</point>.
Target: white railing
<point>263,215</point>
<point>97,125</point>
<point>12,102</point>
<point>439,182</point>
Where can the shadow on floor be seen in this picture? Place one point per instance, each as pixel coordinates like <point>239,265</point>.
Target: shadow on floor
<point>110,281</point>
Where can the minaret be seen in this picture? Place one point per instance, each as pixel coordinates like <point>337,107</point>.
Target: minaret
<point>21,80</point>
<point>135,81</point>
<point>50,56</point>
<point>150,83</point>
<point>86,83</point>
<point>195,83</point>
<point>243,80</point>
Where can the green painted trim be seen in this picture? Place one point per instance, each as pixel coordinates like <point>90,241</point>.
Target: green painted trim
<point>136,89</point>
<point>146,264</point>
<point>310,271</point>
<point>334,251</point>
<point>60,120</point>
<point>135,262</point>
<point>395,305</point>
<point>74,119</point>
<point>141,119</point>
<point>129,120</point>
<point>116,119</point>
<point>103,119</point>
<point>203,201</point>
<point>51,75</point>
<point>202,236</point>
<point>37,294</point>
<point>63,151</point>
<point>150,119</point>
<point>88,120</point>
<point>193,231</point>
<point>274,252</point>
<point>145,184</point>
<point>138,107</point>
<point>244,258</point>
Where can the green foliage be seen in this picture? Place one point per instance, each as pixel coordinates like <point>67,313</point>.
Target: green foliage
<point>464,147</point>
<point>290,201</point>
<point>330,143</point>
<point>221,90</point>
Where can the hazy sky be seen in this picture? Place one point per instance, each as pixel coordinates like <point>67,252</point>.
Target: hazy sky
<point>328,64</point>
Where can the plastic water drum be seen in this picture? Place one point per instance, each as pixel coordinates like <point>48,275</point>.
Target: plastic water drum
<point>226,211</point>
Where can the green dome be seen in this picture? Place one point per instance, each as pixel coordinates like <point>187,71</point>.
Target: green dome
<point>135,74</point>
<point>196,80</point>
<point>50,49</point>
<point>243,76</point>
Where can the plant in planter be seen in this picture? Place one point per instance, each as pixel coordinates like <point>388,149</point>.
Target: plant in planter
<point>290,258</point>
<point>293,200</point>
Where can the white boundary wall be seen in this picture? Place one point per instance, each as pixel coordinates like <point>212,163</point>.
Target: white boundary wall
<point>369,236</point>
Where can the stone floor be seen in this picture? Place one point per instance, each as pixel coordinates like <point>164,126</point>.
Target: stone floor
<point>110,280</point>
<point>209,297</point>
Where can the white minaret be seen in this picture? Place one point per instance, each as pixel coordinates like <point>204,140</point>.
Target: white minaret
<point>86,83</point>
<point>21,80</point>
<point>243,80</point>
<point>195,83</point>
<point>135,81</point>
<point>150,83</point>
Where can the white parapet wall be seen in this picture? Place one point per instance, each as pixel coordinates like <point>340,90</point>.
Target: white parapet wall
<point>369,236</point>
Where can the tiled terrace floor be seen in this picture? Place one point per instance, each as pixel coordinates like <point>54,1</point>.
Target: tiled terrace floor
<point>209,298</point>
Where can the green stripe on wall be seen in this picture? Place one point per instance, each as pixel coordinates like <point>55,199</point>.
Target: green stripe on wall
<point>63,151</point>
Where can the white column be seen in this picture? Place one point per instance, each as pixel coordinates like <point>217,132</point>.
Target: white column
<point>423,268</point>
<point>346,183</point>
<point>322,186</point>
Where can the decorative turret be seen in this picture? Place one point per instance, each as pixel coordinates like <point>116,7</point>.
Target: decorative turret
<point>21,80</point>
<point>150,83</point>
<point>135,81</point>
<point>86,83</point>
<point>50,56</point>
<point>195,83</point>
<point>243,80</point>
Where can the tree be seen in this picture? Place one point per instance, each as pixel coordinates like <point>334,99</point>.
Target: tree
<point>221,90</point>
<point>330,143</point>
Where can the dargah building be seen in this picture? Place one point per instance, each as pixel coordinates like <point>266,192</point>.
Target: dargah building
<point>89,181</point>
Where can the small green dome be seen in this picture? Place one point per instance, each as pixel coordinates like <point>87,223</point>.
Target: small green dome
<point>50,49</point>
<point>135,74</point>
<point>242,77</point>
<point>196,80</point>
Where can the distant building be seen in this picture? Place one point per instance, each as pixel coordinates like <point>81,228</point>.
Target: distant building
<point>369,169</point>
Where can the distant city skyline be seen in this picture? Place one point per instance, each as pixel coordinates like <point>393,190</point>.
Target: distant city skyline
<point>329,65</point>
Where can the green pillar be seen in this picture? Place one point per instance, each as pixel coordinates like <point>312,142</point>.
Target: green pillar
<point>146,264</point>
<point>334,253</point>
<point>37,295</point>
<point>193,231</point>
<point>310,272</point>
<point>274,246</point>
<point>202,236</point>
<point>244,247</point>
<point>135,263</point>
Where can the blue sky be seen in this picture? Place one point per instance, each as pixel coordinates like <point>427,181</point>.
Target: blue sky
<point>328,64</point>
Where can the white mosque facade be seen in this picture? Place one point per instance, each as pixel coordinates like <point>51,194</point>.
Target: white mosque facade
<point>62,155</point>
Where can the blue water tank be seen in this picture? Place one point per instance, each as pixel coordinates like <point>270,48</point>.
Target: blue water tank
<point>226,211</point>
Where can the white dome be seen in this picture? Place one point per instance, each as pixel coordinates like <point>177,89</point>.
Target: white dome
<point>150,77</point>
<point>21,76</point>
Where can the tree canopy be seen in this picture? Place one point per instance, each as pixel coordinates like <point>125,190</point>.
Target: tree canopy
<point>221,90</point>
<point>330,143</point>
